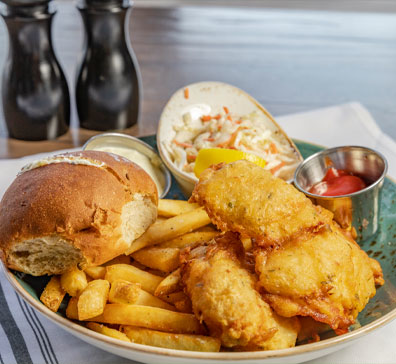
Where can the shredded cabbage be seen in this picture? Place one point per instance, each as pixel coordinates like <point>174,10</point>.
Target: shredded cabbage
<point>224,130</point>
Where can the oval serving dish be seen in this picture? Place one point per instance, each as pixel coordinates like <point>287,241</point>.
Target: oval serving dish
<point>380,310</point>
<point>212,96</point>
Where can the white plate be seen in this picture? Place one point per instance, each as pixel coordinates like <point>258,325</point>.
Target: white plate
<point>154,355</point>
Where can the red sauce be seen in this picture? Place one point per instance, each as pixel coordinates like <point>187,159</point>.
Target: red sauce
<point>337,182</point>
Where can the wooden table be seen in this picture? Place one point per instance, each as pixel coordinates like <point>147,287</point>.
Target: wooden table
<point>289,60</point>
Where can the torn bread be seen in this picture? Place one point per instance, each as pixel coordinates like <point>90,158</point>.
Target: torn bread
<point>76,209</point>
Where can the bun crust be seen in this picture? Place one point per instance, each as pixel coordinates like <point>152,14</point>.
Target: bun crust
<point>78,203</point>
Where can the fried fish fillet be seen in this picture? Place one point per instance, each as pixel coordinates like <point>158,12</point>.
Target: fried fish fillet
<point>327,277</point>
<point>243,197</point>
<point>224,297</point>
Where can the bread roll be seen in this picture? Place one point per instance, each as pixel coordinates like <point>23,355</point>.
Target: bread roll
<point>76,209</point>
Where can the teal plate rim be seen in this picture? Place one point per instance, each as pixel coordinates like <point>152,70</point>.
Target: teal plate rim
<point>380,310</point>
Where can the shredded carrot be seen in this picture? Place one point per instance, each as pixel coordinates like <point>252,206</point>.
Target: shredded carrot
<point>217,117</point>
<point>186,93</point>
<point>276,168</point>
<point>234,135</point>
<point>224,144</point>
<point>184,145</point>
<point>248,147</point>
<point>229,117</point>
<point>210,139</point>
<point>206,118</point>
<point>219,127</point>
<point>273,148</point>
<point>230,142</point>
<point>238,122</point>
<point>191,158</point>
<point>226,109</point>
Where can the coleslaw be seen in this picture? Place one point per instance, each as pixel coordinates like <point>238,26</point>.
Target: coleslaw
<point>248,133</point>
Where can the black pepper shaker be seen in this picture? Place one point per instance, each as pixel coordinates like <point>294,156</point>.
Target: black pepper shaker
<point>35,94</point>
<point>108,85</point>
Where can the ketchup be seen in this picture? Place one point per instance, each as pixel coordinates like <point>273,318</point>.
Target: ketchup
<point>337,182</point>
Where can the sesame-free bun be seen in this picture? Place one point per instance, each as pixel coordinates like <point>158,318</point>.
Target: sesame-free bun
<point>76,209</point>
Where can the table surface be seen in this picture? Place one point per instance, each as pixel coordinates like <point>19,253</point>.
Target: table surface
<point>290,60</point>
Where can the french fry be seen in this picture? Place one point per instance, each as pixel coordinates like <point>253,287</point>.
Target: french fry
<point>131,293</point>
<point>122,291</point>
<point>171,228</point>
<point>73,281</point>
<point>72,309</point>
<point>52,295</point>
<point>163,259</point>
<point>92,299</point>
<point>173,297</point>
<point>148,281</point>
<point>172,341</point>
<point>170,208</point>
<point>147,299</point>
<point>169,284</point>
<point>102,329</point>
<point>188,239</point>
<point>150,317</point>
<point>97,272</point>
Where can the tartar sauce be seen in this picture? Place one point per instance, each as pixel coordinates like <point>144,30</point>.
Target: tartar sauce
<point>141,160</point>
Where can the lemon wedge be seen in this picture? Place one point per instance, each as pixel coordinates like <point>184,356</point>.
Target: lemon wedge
<point>207,157</point>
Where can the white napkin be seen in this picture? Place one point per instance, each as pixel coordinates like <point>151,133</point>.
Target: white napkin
<point>347,124</point>
<point>27,337</point>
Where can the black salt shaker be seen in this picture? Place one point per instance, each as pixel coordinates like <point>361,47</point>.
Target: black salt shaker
<point>108,84</point>
<point>35,94</point>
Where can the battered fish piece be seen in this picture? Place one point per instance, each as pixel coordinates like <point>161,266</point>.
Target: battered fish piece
<point>224,297</point>
<point>243,197</point>
<point>327,277</point>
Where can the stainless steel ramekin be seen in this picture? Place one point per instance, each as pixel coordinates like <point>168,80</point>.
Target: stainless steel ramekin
<point>119,140</point>
<point>358,211</point>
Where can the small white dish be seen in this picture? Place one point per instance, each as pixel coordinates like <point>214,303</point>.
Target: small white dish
<point>117,141</point>
<point>213,95</point>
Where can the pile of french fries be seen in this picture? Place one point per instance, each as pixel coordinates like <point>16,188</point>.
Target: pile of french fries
<point>137,297</point>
